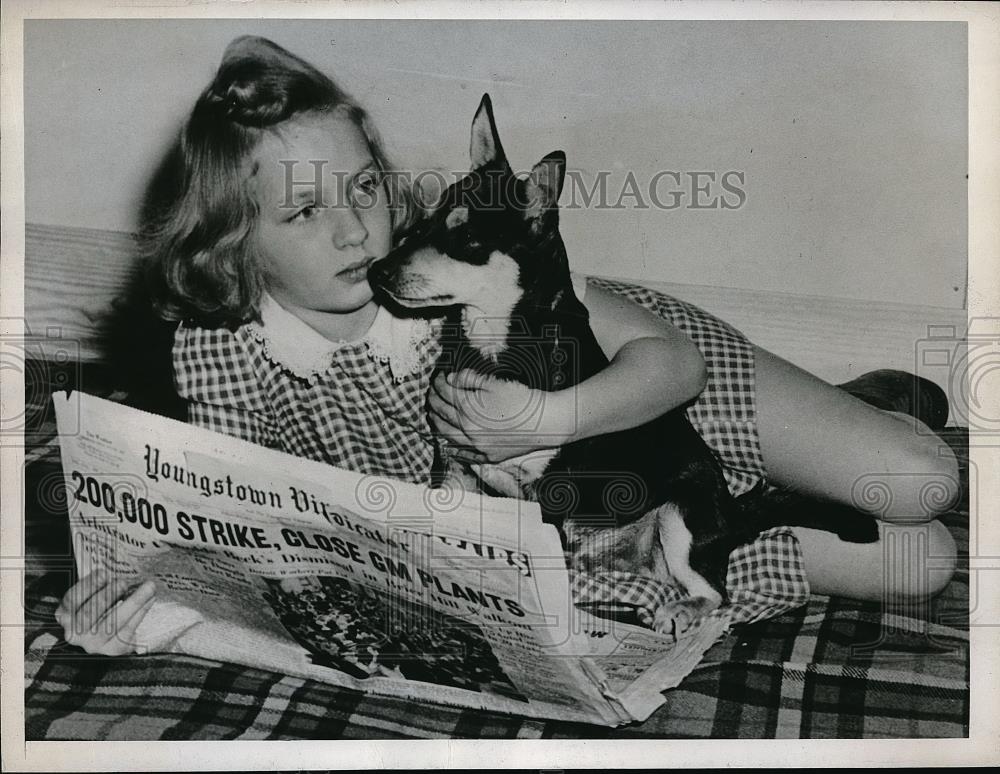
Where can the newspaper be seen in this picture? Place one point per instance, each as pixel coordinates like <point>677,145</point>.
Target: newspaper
<point>381,586</point>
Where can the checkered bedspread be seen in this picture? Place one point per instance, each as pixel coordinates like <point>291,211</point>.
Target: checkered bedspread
<point>834,668</point>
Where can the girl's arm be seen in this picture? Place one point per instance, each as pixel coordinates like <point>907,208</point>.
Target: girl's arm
<point>654,367</point>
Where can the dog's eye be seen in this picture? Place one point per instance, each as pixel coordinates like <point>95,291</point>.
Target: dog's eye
<point>409,236</point>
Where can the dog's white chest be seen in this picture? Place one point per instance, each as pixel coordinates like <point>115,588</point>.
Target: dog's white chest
<point>514,477</point>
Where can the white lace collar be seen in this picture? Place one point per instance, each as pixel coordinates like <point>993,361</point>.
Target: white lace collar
<point>298,348</point>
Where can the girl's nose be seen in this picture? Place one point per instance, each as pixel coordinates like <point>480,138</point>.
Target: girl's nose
<point>349,231</point>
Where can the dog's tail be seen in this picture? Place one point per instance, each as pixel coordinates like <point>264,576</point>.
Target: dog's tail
<point>760,510</point>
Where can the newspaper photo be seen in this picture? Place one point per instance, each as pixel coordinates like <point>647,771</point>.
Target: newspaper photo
<point>381,586</point>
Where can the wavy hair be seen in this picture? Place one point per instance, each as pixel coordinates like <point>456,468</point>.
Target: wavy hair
<point>202,260</point>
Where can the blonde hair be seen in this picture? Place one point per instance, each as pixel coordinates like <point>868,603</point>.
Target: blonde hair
<point>203,263</point>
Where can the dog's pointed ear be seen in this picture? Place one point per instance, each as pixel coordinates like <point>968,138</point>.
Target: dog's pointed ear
<point>545,183</point>
<point>485,147</point>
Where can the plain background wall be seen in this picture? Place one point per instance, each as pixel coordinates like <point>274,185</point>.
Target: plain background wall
<point>851,135</point>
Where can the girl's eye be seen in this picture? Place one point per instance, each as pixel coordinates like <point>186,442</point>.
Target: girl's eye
<point>367,185</point>
<point>306,213</point>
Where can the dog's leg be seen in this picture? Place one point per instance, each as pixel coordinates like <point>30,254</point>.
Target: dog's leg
<point>675,542</point>
<point>658,545</point>
<point>761,511</point>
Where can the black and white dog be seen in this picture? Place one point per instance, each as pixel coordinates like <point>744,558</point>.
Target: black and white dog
<point>651,500</point>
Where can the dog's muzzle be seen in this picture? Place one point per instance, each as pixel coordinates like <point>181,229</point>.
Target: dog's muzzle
<point>380,274</point>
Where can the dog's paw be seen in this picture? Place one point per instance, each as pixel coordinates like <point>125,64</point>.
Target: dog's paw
<point>676,618</point>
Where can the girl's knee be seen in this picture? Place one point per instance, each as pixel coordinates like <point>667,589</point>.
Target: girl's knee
<point>948,470</point>
<point>909,564</point>
<point>942,557</point>
<point>921,483</point>
<point>918,561</point>
<point>935,475</point>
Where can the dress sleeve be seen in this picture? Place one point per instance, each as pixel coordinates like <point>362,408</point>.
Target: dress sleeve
<point>214,374</point>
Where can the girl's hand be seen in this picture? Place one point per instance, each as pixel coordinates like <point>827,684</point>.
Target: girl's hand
<point>493,420</point>
<point>96,614</point>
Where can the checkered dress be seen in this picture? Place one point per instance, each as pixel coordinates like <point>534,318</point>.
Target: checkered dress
<point>357,415</point>
<point>724,414</point>
<point>766,577</point>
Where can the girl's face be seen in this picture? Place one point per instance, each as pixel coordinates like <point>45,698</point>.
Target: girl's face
<point>324,215</point>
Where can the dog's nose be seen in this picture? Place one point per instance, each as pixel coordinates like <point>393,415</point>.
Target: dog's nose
<point>379,274</point>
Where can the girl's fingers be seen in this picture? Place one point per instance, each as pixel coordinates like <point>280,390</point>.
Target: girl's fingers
<point>73,604</point>
<point>123,640</point>
<point>62,611</point>
<point>470,456</point>
<point>454,434</point>
<point>101,615</point>
<point>460,407</point>
<point>444,411</point>
<point>453,388</point>
<point>85,588</point>
<point>126,609</point>
<point>464,449</point>
<point>442,392</point>
<point>467,379</point>
<point>462,445</point>
<point>99,612</point>
<point>114,633</point>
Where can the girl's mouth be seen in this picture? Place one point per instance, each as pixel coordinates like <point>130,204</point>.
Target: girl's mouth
<point>418,302</point>
<point>356,272</point>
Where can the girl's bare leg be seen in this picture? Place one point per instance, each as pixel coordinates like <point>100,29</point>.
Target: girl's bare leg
<point>822,441</point>
<point>910,562</point>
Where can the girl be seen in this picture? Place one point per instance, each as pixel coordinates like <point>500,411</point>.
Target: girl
<point>285,197</point>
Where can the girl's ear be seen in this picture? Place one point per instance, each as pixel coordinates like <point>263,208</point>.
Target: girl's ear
<point>545,183</point>
<point>485,148</point>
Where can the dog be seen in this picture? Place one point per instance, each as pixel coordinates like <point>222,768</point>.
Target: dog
<point>651,500</point>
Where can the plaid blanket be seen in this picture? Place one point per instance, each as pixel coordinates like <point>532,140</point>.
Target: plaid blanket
<point>834,668</point>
